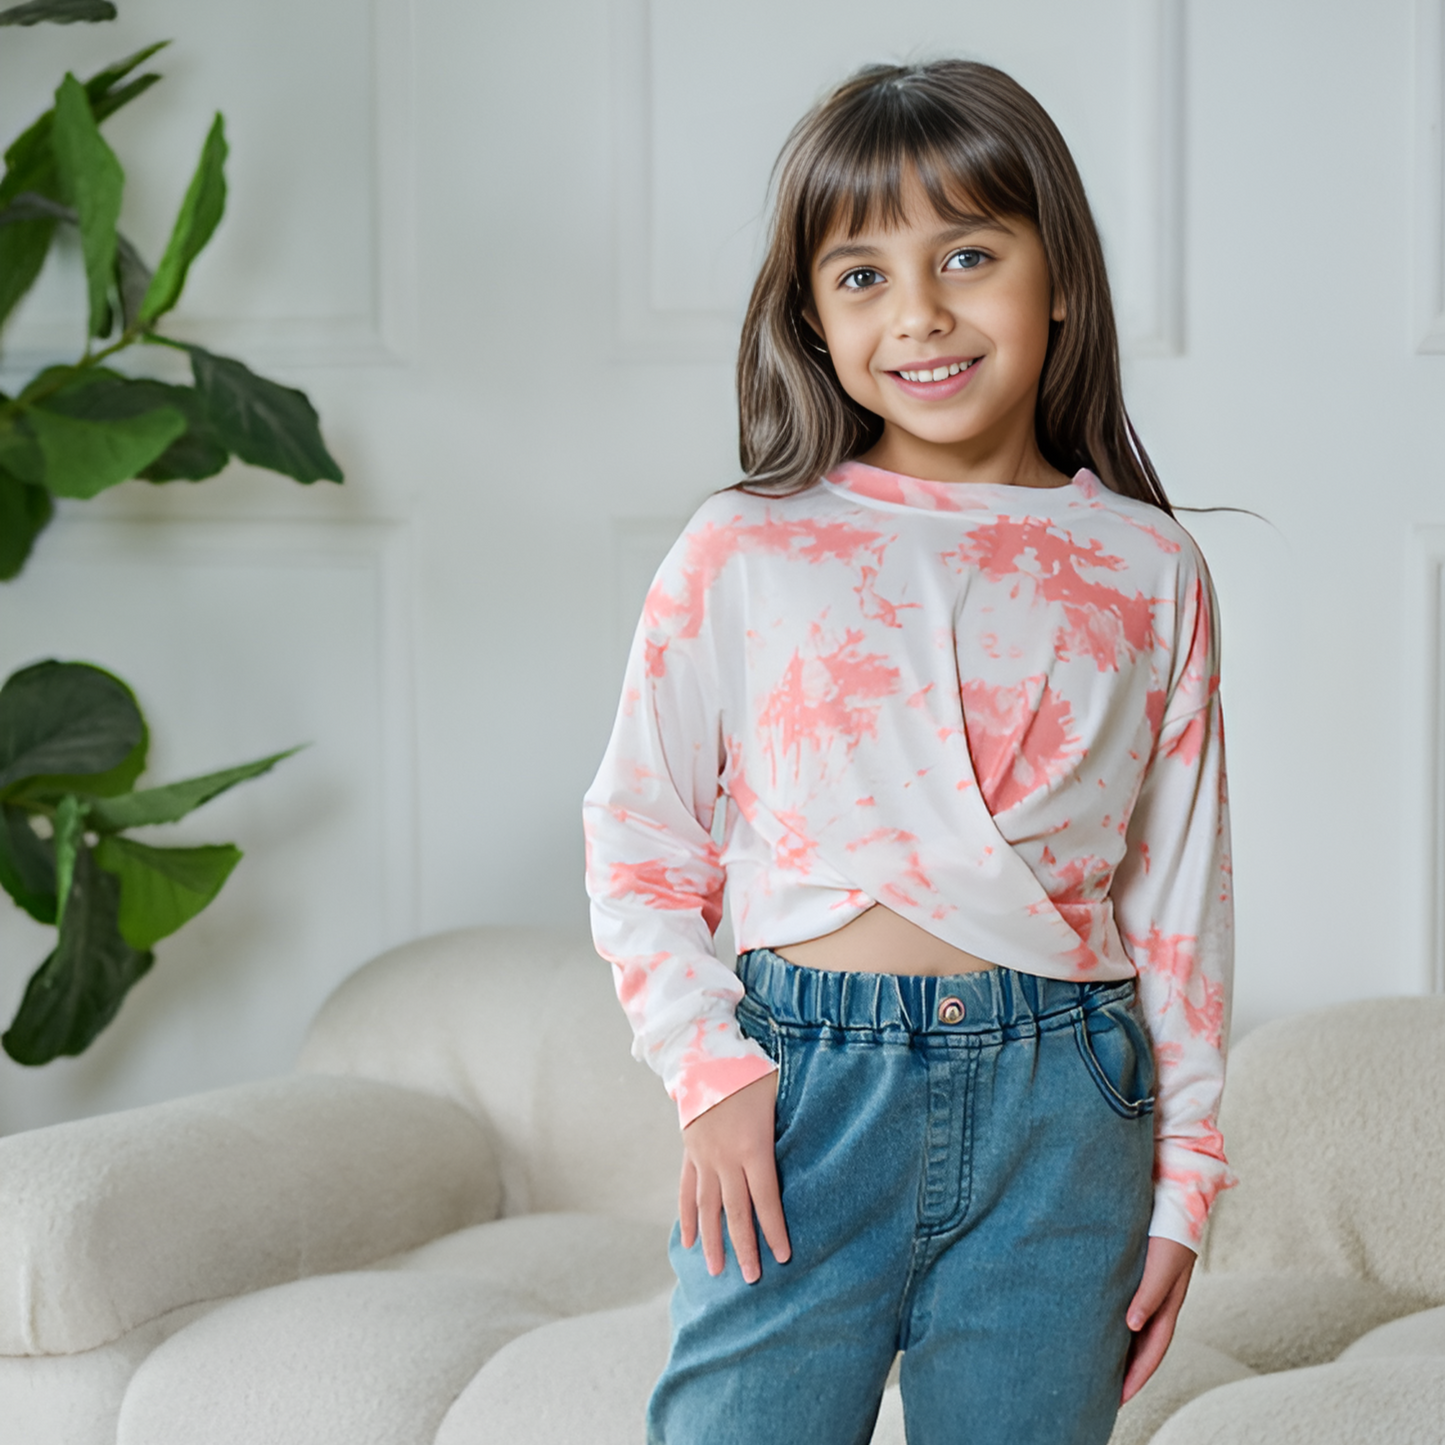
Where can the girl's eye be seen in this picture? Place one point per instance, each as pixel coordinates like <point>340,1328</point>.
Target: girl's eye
<point>966,260</point>
<point>861,279</point>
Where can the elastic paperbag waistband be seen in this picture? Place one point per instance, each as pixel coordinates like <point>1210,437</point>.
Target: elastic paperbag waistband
<point>997,999</point>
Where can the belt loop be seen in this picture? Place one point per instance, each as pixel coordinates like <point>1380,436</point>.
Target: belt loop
<point>901,998</point>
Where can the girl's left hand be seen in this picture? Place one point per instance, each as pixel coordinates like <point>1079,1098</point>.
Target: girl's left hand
<point>1155,1308</point>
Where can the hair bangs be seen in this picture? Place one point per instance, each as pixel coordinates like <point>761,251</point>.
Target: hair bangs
<point>895,131</point>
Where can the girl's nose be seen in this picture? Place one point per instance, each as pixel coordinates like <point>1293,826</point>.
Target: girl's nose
<point>920,312</point>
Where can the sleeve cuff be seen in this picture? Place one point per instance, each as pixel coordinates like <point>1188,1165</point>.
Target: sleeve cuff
<point>705,1082</point>
<point>1181,1209</point>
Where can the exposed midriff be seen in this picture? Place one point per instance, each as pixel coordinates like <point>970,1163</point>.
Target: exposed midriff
<point>882,941</point>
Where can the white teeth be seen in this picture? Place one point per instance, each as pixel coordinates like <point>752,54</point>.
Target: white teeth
<point>937,373</point>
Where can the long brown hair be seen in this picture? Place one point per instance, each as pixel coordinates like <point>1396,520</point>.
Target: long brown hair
<point>971,134</point>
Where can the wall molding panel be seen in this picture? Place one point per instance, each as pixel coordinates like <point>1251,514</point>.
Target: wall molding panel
<point>1424,776</point>
<point>1429,322</point>
<point>646,332</point>
<point>1151,280</point>
<point>1152,284</point>
<point>382,331</point>
<point>379,551</point>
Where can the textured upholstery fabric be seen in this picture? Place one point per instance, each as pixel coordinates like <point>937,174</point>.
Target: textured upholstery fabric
<point>371,1358</point>
<point>1355,1402</point>
<point>522,1028</point>
<point>1189,1369</point>
<point>75,1399</point>
<point>584,1380</point>
<point>1417,1334</point>
<point>561,1264</point>
<point>1335,1130</point>
<point>1285,1321</point>
<point>575,1381</point>
<point>112,1221</point>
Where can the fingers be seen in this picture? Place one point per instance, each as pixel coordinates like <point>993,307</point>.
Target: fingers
<point>739,1206</point>
<point>687,1203</point>
<point>1154,1310</point>
<point>1152,1342</point>
<point>768,1203</point>
<point>709,1205</point>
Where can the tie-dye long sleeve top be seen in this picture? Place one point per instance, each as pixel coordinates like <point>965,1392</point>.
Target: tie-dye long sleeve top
<point>993,709</point>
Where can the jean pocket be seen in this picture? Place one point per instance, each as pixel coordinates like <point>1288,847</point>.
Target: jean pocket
<point>757,1024</point>
<point>1117,1052</point>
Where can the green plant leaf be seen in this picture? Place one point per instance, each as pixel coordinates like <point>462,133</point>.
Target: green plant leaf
<point>91,180</point>
<point>59,12</point>
<point>200,214</point>
<point>197,453</point>
<point>23,249</point>
<point>101,86</point>
<point>48,788</point>
<point>30,166</point>
<point>98,394</point>
<point>79,989</point>
<point>172,802</point>
<point>262,422</point>
<point>65,718</point>
<point>69,839</point>
<point>83,458</point>
<point>29,163</point>
<point>161,889</point>
<point>27,864</point>
<point>24,512</point>
<point>132,280</point>
<point>19,454</point>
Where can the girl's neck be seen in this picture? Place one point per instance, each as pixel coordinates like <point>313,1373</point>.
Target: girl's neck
<point>1015,463</point>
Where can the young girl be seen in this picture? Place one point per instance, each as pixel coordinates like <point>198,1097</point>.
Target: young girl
<point>948,666</point>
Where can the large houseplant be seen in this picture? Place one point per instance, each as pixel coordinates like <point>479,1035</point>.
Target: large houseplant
<point>73,740</point>
<point>75,430</point>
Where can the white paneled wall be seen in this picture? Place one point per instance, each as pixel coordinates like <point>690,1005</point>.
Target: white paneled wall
<point>506,248</point>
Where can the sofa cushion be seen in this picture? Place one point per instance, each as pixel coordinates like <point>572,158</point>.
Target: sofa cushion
<point>563,1264</point>
<point>580,1380</point>
<point>1189,1369</point>
<point>1418,1334</point>
<point>1352,1402</point>
<point>585,1379</point>
<point>369,1358</point>
<point>1285,1321</point>
<point>108,1222</point>
<point>75,1399</point>
<point>1342,1187</point>
<point>522,1027</point>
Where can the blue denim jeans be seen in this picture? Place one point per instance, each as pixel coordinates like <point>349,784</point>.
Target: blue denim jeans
<point>966,1174</point>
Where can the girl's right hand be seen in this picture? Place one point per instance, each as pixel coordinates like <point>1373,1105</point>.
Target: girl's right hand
<point>728,1165</point>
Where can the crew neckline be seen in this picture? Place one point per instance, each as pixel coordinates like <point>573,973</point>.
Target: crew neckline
<point>874,484</point>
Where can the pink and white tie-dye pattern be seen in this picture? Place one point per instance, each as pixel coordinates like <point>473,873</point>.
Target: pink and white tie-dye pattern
<point>993,709</point>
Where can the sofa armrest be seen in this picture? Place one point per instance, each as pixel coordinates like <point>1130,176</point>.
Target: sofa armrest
<point>108,1222</point>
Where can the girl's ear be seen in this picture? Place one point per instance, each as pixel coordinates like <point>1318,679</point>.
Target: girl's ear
<point>1059,310</point>
<point>810,318</point>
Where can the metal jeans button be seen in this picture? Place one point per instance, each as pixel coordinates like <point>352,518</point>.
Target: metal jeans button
<point>950,1010</point>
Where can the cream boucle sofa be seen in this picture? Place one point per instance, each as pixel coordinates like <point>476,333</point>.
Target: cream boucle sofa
<point>450,1225</point>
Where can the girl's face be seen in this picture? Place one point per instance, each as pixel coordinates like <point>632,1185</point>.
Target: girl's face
<point>941,329</point>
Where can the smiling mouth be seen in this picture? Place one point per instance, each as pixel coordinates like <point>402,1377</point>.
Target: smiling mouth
<point>939,373</point>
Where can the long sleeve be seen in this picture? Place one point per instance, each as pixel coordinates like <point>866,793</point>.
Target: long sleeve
<point>653,870</point>
<point>1173,902</point>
